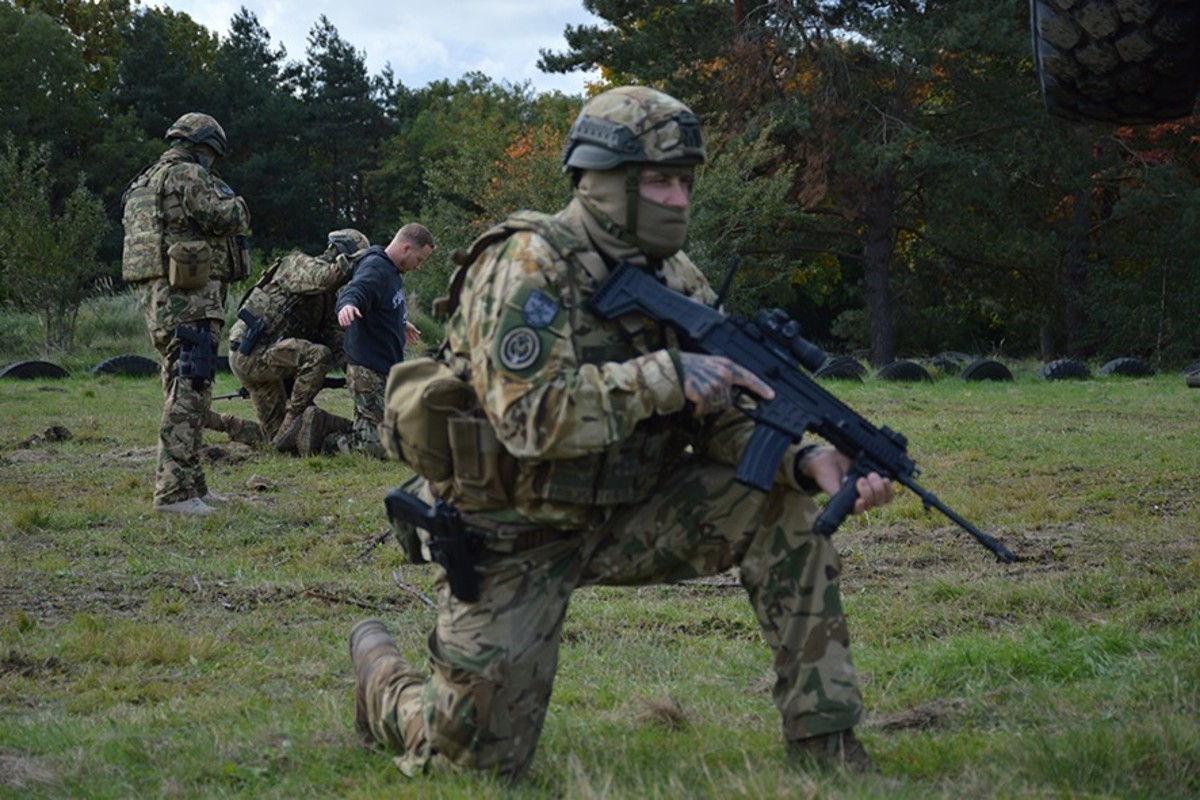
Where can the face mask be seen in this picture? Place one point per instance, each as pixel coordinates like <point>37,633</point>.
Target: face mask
<point>661,229</point>
<point>659,232</point>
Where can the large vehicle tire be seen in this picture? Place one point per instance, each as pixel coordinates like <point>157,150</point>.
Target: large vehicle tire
<point>903,370</point>
<point>1065,369</point>
<point>986,369</point>
<point>1118,61</point>
<point>33,369</point>
<point>132,365</point>
<point>843,368</point>
<point>950,362</point>
<point>1127,367</point>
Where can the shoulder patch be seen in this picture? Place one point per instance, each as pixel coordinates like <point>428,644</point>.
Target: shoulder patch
<point>520,348</point>
<point>539,310</point>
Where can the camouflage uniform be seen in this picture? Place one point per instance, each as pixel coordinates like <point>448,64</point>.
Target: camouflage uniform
<point>626,487</point>
<point>366,390</point>
<point>179,199</point>
<point>301,340</point>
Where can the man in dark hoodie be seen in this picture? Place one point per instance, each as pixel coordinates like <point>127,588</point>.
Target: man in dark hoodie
<point>374,311</point>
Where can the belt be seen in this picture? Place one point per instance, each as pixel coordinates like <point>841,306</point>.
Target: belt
<point>509,538</point>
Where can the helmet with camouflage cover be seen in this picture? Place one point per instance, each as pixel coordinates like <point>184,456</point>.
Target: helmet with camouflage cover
<point>199,129</point>
<point>347,240</point>
<point>633,124</point>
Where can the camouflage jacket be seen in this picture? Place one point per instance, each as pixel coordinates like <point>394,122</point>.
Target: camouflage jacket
<point>295,298</point>
<point>559,385</point>
<point>177,199</point>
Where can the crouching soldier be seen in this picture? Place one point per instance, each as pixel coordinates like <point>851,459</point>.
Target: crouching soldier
<point>286,339</point>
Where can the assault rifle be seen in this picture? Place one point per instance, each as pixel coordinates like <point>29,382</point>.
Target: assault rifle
<point>770,346</point>
<point>327,383</point>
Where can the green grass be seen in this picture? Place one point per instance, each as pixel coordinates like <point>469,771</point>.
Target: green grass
<point>150,657</point>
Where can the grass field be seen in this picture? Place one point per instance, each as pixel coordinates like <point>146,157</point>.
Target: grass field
<point>178,658</point>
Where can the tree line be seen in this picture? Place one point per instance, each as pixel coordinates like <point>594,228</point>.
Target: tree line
<point>885,172</point>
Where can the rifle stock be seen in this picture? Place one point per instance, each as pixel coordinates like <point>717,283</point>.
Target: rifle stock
<point>771,347</point>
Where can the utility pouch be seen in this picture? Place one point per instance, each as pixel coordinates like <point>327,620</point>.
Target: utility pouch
<point>484,471</point>
<point>420,398</point>
<point>189,264</point>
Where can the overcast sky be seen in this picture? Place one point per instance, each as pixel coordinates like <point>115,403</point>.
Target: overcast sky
<point>424,41</point>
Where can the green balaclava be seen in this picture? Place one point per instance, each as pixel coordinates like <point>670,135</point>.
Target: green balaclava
<point>616,134</point>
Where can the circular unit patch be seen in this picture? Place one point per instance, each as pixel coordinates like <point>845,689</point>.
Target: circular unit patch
<point>520,349</point>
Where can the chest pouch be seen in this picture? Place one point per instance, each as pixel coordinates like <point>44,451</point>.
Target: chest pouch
<point>189,264</point>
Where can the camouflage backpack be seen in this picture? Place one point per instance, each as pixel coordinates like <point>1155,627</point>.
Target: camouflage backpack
<point>430,408</point>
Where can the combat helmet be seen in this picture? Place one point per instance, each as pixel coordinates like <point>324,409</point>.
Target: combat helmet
<point>633,125</point>
<point>347,240</point>
<point>199,129</point>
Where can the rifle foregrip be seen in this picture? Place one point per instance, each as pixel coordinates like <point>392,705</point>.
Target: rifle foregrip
<point>839,506</point>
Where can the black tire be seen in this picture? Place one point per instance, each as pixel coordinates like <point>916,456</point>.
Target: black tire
<point>33,370</point>
<point>949,362</point>
<point>841,368</point>
<point>1065,369</point>
<point>904,371</point>
<point>1117,61</point>
<point>134,366</point>
<point>986,369</point>
<point>1127,367</point>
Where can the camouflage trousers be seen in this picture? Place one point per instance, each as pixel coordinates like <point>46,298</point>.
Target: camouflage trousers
<point>264,370</point>
<point>493,662</point>
<point>366,390</point>
<point>186,403</point>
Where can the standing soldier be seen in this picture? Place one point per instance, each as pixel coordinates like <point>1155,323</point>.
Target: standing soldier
<point>600,452</point>
<point>287,331</point>
<point>184,243</point>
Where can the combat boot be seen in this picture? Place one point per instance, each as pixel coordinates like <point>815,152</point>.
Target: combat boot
<point>315,426</point>
<point>289,431</point>
<point>375,657</point>
<point>840,749</point>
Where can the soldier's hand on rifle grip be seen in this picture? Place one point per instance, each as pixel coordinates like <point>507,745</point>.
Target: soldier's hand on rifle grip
<point>850,491</point>
<point>709,382</point>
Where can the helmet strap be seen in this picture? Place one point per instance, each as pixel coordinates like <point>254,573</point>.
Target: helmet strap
<point>633,193</point>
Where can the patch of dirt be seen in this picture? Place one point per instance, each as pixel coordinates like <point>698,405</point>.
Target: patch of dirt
<point>230,453</point>
<point>16,664</point>
<point>19,771</point>
<point>55,433</point>
<point>937,714</point>
<point>24,456</point>
<point>666,713</point>
<point>136,454</point>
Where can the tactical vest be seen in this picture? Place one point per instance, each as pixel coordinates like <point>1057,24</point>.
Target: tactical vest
<point>294,295</point>
<point>154,220</point>
<point>144,256</point>
<point>626,472</point>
